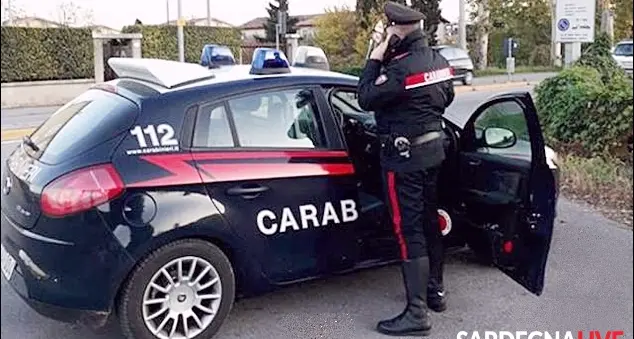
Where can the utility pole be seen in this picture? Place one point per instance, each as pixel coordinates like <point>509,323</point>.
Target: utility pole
<point>555,47</point>
<point>180,35</point>
<point>208,12</point>
<point>462,24</point>
<point>167,11</point>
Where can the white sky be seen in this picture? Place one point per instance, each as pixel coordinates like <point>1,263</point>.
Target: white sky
<point>118,13</point>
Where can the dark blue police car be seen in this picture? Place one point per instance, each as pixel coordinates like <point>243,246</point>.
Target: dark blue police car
<point>162,195</point>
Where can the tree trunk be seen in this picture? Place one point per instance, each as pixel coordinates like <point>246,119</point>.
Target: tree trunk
<point>482,34</point>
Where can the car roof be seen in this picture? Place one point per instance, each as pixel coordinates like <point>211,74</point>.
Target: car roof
<point>159,77</point>
<point>171,76</point>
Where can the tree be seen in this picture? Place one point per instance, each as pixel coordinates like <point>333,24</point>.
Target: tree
<point>71,14</point>
<point>623,19</point>
<point>433,18</point>
<point>335,26</point>
<point>271,21</point>
<point>12,10</point>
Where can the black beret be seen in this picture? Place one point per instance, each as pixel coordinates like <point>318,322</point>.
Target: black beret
<point>401,14</point>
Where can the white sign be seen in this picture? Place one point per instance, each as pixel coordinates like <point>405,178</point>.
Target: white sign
<point>575,20</point>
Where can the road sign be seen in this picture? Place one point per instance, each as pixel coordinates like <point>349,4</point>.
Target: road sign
<point>575,21</point>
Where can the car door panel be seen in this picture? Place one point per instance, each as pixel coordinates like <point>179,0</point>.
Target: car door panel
<point>492,179</point>
<point>287,191</point>
<point>508,198</point>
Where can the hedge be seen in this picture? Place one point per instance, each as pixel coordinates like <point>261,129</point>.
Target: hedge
<point>32,54</point>
<point>588,108</point>
<point>162,41</point>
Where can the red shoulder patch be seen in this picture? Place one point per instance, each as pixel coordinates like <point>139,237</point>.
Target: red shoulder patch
<point>401,56</point>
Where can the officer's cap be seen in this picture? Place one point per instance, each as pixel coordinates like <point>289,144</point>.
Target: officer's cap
<point>401,14</point>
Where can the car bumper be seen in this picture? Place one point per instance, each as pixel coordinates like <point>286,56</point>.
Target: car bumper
<point>64,278</point>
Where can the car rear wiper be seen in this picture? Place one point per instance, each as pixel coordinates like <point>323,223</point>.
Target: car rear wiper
<point>27,141</point>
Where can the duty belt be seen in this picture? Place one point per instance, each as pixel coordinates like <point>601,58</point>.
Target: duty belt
<point>402,145</point>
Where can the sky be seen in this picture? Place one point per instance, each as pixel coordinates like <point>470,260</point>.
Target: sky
<point>118,13</point>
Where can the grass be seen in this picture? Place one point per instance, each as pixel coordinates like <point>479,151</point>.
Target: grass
<point>603,183</point>
<point>520,69</point>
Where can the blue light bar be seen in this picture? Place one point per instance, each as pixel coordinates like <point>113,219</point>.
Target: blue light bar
<point>269,61</point>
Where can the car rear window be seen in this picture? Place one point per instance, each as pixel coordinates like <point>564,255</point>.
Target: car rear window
<point>88,120</point>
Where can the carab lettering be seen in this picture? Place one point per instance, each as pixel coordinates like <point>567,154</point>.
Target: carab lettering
<point>308,217</point>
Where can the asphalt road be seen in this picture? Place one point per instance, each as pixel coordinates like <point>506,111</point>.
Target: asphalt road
<point>588,287</point>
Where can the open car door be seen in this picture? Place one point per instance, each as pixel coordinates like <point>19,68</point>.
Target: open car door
<point>506,189</point>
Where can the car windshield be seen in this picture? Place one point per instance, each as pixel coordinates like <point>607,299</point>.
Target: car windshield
<point>623,49</point>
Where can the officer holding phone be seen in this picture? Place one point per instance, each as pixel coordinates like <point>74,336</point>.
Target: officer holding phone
<point>408,86</point>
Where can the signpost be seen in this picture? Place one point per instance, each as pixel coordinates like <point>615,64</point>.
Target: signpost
<point>574,21</point>
<point>510,45</point>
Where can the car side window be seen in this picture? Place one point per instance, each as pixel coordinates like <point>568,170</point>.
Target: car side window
<point>212,127</point>
<point>278,119</point>
<point>502,129</point>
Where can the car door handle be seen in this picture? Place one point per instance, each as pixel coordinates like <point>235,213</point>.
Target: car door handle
<point>475,162</point>
<point>247,190</point>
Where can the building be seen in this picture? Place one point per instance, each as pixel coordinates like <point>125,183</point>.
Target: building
<point>31,21</point>
<point>305,27</point>
<point>202,22</point>
<point>35,22</point>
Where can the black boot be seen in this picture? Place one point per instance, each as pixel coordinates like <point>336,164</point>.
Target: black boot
<point>436,295</point>
<point>414,320</point>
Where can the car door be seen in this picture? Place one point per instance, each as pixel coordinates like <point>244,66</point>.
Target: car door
<point>507,192</point>
<point>281,181</point>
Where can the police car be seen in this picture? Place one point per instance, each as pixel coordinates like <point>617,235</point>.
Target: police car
<point>164,194</point>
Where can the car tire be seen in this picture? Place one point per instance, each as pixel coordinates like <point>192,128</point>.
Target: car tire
<point>141,286</point>
<point>468,78</point>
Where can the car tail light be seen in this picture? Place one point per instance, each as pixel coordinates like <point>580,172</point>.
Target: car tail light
<point>81,190</point>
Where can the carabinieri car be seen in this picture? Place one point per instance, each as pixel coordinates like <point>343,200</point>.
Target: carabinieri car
<point>164,194</point>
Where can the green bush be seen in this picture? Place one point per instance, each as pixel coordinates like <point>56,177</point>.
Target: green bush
<point>597,55</point>
<point>32,54</point>
<point>590,116</point>
<point>161,42</point>
<point>353,70</point>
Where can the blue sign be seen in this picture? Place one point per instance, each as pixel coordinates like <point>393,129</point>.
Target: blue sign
<point>563,25</point>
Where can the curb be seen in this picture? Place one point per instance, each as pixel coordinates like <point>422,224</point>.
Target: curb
<point>16,134</point>
<point>489,87</point>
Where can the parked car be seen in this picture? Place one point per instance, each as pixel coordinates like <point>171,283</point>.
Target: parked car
<point>461,62</point>
<point>163,195</point>
<point>214,56</point>
<point>622,54</point>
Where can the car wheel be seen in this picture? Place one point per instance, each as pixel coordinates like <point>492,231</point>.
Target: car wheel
<point>184,289</point>
<point>468,78</point>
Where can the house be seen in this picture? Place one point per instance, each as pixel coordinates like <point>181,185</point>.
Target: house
<point>31,21</point>
<point>305,26</point>
<point>202,22</point>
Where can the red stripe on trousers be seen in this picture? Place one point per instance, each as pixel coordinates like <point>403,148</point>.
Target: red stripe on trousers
<point>396,214</point>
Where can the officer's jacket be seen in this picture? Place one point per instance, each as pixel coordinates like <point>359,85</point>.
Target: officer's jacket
<point>409,91</point>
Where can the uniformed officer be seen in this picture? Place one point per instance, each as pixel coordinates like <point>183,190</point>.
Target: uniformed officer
<point>408,86</point>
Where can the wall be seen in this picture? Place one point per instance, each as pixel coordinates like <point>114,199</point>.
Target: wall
<point>42,93</point>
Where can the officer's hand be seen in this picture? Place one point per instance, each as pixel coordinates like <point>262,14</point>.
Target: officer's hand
<point>379,51</point>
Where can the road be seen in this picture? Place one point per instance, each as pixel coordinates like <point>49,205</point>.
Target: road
<point>588,287</point>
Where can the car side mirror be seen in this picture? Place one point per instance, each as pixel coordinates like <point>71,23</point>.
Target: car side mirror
<point>497,137</point>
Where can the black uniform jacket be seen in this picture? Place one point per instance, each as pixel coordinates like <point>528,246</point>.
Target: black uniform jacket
<point>408,93</point>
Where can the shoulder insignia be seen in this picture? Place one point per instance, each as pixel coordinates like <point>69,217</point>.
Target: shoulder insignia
<point>380,80</point>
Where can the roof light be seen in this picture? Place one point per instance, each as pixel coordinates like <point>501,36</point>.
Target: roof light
<point>166,73</point>
<point>269,61</point>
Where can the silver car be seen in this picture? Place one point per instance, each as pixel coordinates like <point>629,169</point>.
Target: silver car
<point>460,60</point>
